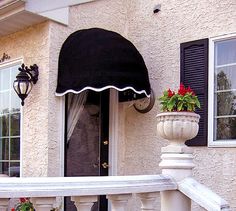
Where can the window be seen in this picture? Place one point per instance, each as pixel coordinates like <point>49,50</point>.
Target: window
<point>209,67</point>
<point>222,92</point>
<point>10,117</point>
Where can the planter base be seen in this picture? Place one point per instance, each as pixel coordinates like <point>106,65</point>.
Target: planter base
<point>177,149</point>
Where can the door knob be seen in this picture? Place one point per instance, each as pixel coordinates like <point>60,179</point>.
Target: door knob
<point>105,142</point>
<point>105,165</point>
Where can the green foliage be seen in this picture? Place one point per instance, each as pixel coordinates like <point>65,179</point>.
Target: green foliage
<point>184,100</point>
<point>24,205</point>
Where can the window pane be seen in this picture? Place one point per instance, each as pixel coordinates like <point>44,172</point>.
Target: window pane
<point>15,124</point>
<point>226,52</point>
<point>4,125</point>
<point>9,123</point>
<point>4,149</point>
<point>4,166</point>
<point>226,78</point>
<point>226,103</point>
<point>14,169</point>
<point>15,102</point>
<point>226,128</point>
<point>4,79</point>
<point>15,149</point>
<point>4,102</point>
<point>14,73</point>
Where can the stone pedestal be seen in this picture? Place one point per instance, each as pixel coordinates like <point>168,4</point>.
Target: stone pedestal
<point>179,166</point>
<point>177,158</point>
<point>174,200</point>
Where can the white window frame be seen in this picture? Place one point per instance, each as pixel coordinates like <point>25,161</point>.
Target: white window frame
<point>6,64</point>
<point>211,142</point>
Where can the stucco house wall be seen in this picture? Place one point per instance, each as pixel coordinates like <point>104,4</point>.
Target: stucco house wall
<point>157,37</point>
<point>32,45</point>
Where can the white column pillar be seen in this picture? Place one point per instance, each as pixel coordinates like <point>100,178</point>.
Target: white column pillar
<point>44,203</point>
<point>177,158</point>
<point>84,203</point>
<point>119,202</point>
<point>148,200</point>
<point>174,200</point>
<point>178,163</point>
<point>4,204</point>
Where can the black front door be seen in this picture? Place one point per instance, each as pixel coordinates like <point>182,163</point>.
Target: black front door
<point>86,139</point>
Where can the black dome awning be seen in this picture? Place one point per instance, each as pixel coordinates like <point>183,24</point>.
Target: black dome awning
<point>97,59</point>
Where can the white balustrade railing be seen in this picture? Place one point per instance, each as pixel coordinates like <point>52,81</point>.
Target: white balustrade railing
<point>202,195</point>
<point>84,190</point>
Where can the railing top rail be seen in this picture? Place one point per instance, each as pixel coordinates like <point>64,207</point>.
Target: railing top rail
<point>82,186</point>
<point>202,195</point>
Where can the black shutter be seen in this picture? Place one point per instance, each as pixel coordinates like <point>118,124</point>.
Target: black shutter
<point>194,73</point>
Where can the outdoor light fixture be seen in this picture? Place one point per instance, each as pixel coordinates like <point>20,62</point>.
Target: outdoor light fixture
<point>25,80</point>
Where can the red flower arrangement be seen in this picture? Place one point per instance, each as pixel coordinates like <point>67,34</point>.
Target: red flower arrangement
<point>184,100</point>
<point>24,205</point>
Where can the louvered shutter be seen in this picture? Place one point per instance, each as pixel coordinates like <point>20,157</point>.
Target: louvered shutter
<point>194,73</point>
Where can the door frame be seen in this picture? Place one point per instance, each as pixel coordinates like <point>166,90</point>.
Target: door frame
<point>114,113</point>
<point>113,132</point>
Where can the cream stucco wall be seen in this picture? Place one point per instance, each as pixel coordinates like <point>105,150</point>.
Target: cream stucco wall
<point>157,37</point>
<point>32,45</point>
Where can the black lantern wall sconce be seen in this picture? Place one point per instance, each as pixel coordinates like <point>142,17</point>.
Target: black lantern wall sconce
<point>25,80</point>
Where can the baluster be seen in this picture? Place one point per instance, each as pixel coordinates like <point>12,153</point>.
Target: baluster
<point>179,165</point>
<point>148,200</point>
<point>119,202</point>
<point>43,203</point>
<point>84,203</point>
<point>4,204</point>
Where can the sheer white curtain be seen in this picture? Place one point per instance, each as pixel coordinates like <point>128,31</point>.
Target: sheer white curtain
<point>74,110</point>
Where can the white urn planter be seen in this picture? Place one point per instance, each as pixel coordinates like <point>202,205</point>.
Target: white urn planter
<point>177,127</point>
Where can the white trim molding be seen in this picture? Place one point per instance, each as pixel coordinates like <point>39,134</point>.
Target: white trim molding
<point>61,114</point>
<point>113,132</point>
<point>211,104</point>
<point>9,64</point>
<point>19,14</point>
<point>102,89</point>
<point>57,10</point>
